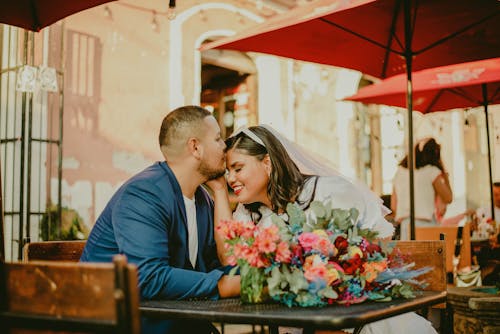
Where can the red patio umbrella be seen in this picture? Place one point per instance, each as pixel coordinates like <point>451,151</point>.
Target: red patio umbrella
<point>379,37</point>
<point>464,85</point>
<point>37,14</point>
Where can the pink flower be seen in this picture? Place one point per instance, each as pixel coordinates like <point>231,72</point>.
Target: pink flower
<point>283,253</point>
<point>263,262</point>
<point>247,229</point>
<point>325,247</point>
<point>308,240</point>
<point>265,244</point>
<point>251,255</point>
<point>315,272</point>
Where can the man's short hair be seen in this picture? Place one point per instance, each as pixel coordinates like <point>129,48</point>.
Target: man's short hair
<point>496,184</point>
<point>181,123</point>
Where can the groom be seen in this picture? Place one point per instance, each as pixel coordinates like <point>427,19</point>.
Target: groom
<point>163,220</point>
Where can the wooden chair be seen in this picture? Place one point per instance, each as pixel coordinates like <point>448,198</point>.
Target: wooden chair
<point>73,297</point>
<point>450,232</point>
<point>427,253</point>
<point>53,251</point>
<point>432,253</point>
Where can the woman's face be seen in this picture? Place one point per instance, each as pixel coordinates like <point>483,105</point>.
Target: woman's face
<point>248,177</point>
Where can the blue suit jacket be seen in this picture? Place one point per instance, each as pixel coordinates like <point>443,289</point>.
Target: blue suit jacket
<point>146,220</point>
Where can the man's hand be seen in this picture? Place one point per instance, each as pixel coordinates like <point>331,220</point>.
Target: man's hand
<point>229,286</point>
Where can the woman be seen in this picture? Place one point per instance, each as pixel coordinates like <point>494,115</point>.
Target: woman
<point>433,192</point>
<point>265,177</point>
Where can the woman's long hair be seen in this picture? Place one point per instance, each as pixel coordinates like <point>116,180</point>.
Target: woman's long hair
<point>285,180</point>
<point>429,154</point>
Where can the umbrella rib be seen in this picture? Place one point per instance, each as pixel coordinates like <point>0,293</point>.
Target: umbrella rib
<point>392,35</point>
<point>361,36</point>
<point>497,92</point>
<point>462,93</point>
<point>433,102</point>
<point>458,32</point>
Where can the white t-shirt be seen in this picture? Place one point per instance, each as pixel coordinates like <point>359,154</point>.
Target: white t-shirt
<point>485,213</point>
<point>343,195</point>
<point>424,192</point>
<point>192,229</point>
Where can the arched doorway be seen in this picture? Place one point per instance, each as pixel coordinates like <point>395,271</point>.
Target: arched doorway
<point>228,88</point>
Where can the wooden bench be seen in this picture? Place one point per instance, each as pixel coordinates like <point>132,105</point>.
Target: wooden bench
<point>74,297</point>
<point>53,250</point>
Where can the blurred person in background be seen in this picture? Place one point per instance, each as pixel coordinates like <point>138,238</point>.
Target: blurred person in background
<point>432,188</point>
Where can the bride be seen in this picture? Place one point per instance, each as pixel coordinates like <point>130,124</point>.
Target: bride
<point>266,172</point>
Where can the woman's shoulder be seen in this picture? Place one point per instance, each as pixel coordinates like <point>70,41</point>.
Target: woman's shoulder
<point>337,187</point>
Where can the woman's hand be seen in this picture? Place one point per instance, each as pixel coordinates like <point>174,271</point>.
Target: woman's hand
<point>222,211</point>
<point>229,286</point>
<point>217,185</point>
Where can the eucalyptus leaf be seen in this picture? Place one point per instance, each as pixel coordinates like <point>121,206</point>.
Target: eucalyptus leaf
<point>296,214</point>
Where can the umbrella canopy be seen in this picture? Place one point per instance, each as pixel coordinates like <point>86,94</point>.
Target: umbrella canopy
<point>380,38</point>
<point>369,35</point>
<point>464,85</point>
<point>440,88</point>
<point>37,14</point>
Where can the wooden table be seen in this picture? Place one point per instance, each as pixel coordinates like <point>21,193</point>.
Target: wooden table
<point>332,317</point>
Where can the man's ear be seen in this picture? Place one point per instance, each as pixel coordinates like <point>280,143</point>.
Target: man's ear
<point>194,147</point>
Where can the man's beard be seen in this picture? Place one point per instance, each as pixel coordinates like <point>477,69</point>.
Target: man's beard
<point>211,173</point>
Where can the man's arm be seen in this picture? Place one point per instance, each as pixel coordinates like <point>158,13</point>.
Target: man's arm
<point>144,230</point>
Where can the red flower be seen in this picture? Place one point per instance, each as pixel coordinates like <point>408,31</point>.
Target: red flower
<point>373,248</point>
<point>341,244</point>
<point>350,266</point>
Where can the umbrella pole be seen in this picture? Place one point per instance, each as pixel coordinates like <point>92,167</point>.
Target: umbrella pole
<point>2,249</point>
<point>409,107</point>
<point>485,105</point>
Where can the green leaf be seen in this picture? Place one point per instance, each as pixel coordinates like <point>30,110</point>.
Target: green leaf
<point>318,209</point>
<point>234,270</point>
<point>328,292</point>
<point>297,281</point>
<point>295,214</point>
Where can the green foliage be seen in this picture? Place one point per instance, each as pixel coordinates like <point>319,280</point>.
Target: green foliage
<point>252,283</point>
<point>71,226</point>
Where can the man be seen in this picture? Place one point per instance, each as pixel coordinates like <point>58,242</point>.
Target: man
<point>487,257</point>
<point>485,213</point>
<point>163,220</point>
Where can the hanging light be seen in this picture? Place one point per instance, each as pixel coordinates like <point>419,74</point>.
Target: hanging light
<point>107,13</point>
<point>171,10</point>
<point>154,22</point>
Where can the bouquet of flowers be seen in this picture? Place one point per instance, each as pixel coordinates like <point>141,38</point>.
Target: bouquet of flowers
<point>316,258</point>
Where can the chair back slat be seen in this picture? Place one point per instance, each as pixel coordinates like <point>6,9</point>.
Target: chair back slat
<point>54,250</point>
<point>57,295</point>
<point>450,232</point>
<point>424,254</point>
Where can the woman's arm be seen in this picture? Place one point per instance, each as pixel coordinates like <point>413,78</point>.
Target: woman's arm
<point>442,188</point>
<point>222,211</point>
<point>229,286</point>
<point>394,202</point>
